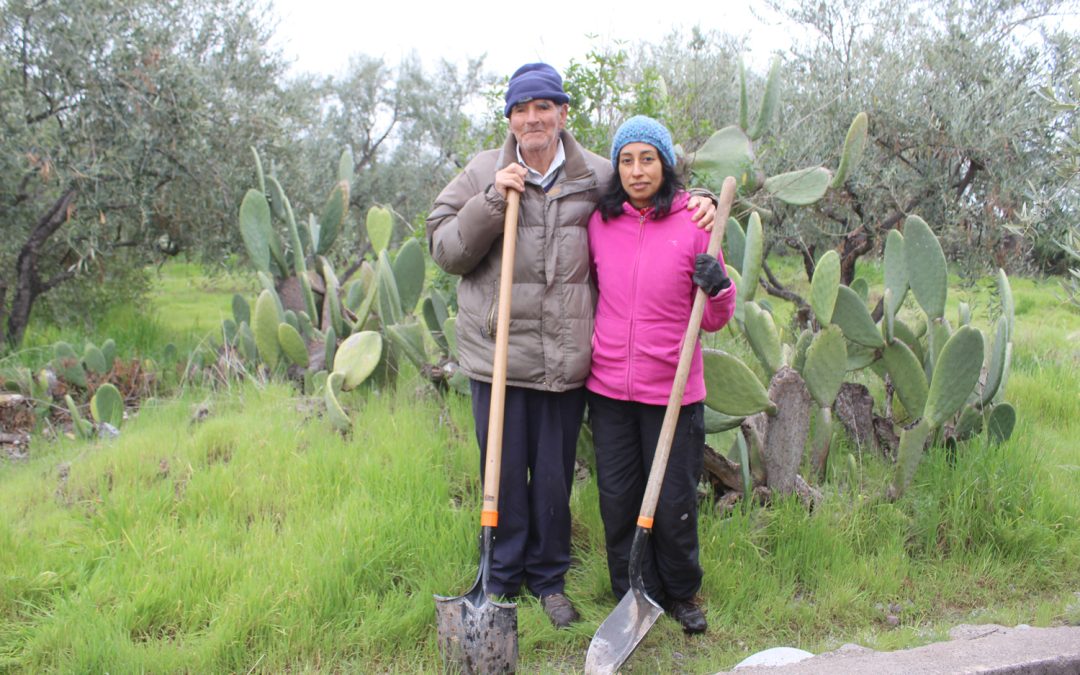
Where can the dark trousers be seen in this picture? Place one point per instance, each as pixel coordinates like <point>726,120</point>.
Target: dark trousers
<point>532,539</point>
<point>625,435</point>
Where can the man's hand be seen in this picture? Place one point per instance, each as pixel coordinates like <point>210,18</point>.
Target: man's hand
<point>704,211</point>
<point>511,178</point>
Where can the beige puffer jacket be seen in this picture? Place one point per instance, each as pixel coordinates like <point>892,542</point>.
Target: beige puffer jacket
<point>551,309</point>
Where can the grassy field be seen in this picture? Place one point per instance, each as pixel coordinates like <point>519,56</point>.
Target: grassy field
<point>232,530</point>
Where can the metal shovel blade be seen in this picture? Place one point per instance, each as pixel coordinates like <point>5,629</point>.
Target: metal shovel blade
<point>477,638</point>
<point>617,638</point>
<point>477,635</point>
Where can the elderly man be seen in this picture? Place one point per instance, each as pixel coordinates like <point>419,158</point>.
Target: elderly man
<point>551,323</point>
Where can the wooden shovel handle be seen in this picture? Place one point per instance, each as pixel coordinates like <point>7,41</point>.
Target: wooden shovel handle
<point>682,372</point>
<point>489,514</point>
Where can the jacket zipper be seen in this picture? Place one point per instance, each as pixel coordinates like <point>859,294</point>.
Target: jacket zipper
<point>633,308</point>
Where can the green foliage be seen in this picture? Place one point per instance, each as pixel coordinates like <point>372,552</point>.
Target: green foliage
<point>106,174</point>
<point>933,383</point>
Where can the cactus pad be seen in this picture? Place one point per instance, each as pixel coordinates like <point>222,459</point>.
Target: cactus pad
<point>955,375</point>
<point>732,388</point>
<point>824,286</point>
<point>107,405</point>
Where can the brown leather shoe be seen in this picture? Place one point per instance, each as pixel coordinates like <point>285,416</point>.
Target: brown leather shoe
<point>689,616</point>
<point>559,609</point>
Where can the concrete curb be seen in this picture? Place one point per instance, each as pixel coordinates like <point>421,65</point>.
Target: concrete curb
<point>988,649</point>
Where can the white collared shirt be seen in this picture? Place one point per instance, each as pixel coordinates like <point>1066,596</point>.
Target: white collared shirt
<point>534,176</point>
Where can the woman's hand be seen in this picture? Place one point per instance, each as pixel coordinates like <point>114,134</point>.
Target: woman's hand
<point>709,276</point>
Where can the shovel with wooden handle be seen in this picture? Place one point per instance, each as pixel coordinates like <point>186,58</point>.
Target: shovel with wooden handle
<point>476,633</point>
<point>617,638</point>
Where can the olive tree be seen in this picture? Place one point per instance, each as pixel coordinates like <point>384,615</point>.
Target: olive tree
<point>957,132</point>
<point>123,123</point>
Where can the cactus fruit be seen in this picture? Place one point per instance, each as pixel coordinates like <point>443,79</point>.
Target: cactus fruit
<point>292,345</point>
<point>357,357</point>
<point>731,387</point>
<point>824,286</point>
<point>926,267</point>
<point>801,187</point>
<point>107,405</point>
<point>265,328</point>
<point>409,274</point>
<point>854,145</point>
<point>380,226</point>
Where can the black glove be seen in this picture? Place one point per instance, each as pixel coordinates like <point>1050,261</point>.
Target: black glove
<point>709,274</point>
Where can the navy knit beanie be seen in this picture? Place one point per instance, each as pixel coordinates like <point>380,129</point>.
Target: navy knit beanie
<point>642,129</point>
<point>532,81</point>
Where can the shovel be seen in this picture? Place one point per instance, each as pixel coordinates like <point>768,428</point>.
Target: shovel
<point>617,638</point>
<point>476,633</point>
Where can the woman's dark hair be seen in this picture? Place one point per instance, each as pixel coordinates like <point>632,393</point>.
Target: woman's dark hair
<point>611,202</point>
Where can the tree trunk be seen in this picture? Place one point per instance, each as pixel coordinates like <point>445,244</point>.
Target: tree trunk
<point>28,283</point>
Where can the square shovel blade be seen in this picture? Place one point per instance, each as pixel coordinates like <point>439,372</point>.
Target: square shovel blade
<point>477,638</point>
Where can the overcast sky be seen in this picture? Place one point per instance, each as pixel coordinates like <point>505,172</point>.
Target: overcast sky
<point>320,35</point>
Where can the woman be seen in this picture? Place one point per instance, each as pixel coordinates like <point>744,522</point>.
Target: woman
<point>648,260</point>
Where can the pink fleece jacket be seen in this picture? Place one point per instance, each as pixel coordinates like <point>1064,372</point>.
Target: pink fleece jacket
<point>643,269</point>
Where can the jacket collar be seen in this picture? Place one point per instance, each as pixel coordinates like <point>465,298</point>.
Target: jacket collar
<point>677,204</point>
<point>575,167</point>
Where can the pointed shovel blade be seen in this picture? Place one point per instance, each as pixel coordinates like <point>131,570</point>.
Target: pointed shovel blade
<point>617,638</point>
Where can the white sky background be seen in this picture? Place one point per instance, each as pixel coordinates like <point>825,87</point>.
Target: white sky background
<point>320,35</point>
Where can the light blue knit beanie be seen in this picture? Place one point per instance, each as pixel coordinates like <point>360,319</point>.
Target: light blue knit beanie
<point>642,129</point>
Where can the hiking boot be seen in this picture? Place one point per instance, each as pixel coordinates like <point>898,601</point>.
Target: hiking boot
<point>689,616</point>
<point>558,608</point>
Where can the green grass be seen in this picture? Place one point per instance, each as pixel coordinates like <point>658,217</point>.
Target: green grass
<point>260,540</point>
